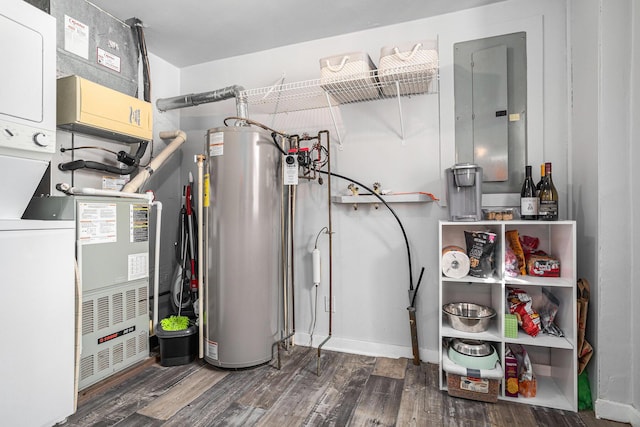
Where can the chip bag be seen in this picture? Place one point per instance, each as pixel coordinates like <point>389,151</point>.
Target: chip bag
<point>520,305</point>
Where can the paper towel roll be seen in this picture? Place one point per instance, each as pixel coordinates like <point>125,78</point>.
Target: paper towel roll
<point>455,264</point>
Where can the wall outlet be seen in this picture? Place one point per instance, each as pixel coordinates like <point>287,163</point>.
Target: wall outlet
<point>326,304</point>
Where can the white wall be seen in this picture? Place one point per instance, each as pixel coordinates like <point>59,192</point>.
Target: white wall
<point>602,38</point>
<point>166,182</point>
<point>635,158</point>
<point>370,265</point>
<point>614,276</point>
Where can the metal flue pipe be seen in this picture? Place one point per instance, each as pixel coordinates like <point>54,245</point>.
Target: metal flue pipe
<point>193,99</point>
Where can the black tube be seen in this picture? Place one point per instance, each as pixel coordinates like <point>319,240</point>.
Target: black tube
<point>415,292</point>
<point>86,164</point>
<point>404,234</point>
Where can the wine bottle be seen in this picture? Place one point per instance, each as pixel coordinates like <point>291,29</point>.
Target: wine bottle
<point>548,208</point>
<point>539,184</point>
<point>528,197</point>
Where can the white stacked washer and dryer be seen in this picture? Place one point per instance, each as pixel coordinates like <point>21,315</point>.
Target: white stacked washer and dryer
<point>37,319</point>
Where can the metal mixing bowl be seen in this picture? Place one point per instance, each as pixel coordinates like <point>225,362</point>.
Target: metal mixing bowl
<point>472,354</point>
<point>468,317</point>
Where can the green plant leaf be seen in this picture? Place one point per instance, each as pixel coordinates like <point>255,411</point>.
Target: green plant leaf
<point>175,323</point>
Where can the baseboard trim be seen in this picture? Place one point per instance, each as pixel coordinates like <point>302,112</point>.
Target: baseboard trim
<point>365,348</point>
<point>616,411</point>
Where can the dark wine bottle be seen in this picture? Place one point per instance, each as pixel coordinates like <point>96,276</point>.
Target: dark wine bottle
<point>539,184</point>
<point>528,197</point>
<point>548,208</point>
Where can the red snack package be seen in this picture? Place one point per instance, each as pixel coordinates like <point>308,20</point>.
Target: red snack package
<point>529,244</point>
<point>520,305</point>
<point>543,265</point>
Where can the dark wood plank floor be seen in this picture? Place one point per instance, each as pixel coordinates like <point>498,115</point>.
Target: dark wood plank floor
<point>350,390</point>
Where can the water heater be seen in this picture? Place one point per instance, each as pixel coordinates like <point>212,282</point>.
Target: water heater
<point>244,247</point>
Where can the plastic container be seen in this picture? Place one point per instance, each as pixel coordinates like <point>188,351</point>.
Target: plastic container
<point>510,326</point>
<point>177,347</point>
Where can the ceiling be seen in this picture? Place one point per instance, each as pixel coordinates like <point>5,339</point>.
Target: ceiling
<point>188,32</point>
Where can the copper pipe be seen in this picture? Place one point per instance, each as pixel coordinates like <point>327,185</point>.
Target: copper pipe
<point>330,248</point>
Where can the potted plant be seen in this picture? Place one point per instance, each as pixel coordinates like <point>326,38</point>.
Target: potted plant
<point>178,340</point>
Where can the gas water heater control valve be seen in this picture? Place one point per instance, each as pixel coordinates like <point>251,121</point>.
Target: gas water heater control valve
<point>304,159</point>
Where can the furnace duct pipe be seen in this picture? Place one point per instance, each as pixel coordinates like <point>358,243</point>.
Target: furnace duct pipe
<point>193,99</point>
<point>179,137</point>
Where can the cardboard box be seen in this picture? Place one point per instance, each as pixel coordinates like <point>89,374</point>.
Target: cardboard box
<point>510,376</point>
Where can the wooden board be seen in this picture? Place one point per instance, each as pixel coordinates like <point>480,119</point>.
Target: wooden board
<point>183,393</point>
<point>390,368</point>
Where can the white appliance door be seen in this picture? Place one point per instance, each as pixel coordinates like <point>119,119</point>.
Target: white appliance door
<point>37,319</point>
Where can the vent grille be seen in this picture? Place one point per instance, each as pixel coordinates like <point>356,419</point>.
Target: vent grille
<point>143,299</point>
<point>117,308</point>
<point>103,312</point>
<point>86,367</point>
<point>118,353</point>
<point>131,347</point>
<point>108,312</point>
<point>87,317</point>
<point>131,304</point>
<point>142,343</point>
<point>103,359</point>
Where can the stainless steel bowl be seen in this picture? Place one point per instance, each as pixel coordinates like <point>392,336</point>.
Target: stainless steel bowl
<point>471,347</point>
<point>472,354</point>
<point>468,317</point>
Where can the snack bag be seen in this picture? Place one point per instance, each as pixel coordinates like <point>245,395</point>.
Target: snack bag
<point>520,305</point>
<point>510,373</point>
<point>516,247</point>
<point>480,249</point>
<point>510,263</point>
<point>543,266</point>
<point>527,384</point>
<point>548,308</point>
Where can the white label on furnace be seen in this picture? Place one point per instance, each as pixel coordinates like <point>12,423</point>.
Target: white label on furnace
<point>216,144</point>
<point>212,350</point>
<point>76,37</point>
<point>114,183</point>
<point>138,266</point>
<point>108,60</point>
<point>97,223</point>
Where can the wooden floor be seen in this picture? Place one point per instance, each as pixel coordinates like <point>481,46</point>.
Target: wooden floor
<point>351,390</point>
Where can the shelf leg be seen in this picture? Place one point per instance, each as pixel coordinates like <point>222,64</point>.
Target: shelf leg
<point>333,119</point>
<point>400,111</point>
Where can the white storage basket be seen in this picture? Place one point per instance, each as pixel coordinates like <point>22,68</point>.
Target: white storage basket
<point>413,65</point>
<point>349,77</point>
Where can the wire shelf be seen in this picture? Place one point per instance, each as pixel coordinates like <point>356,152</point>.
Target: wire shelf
<point>322,93</point>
